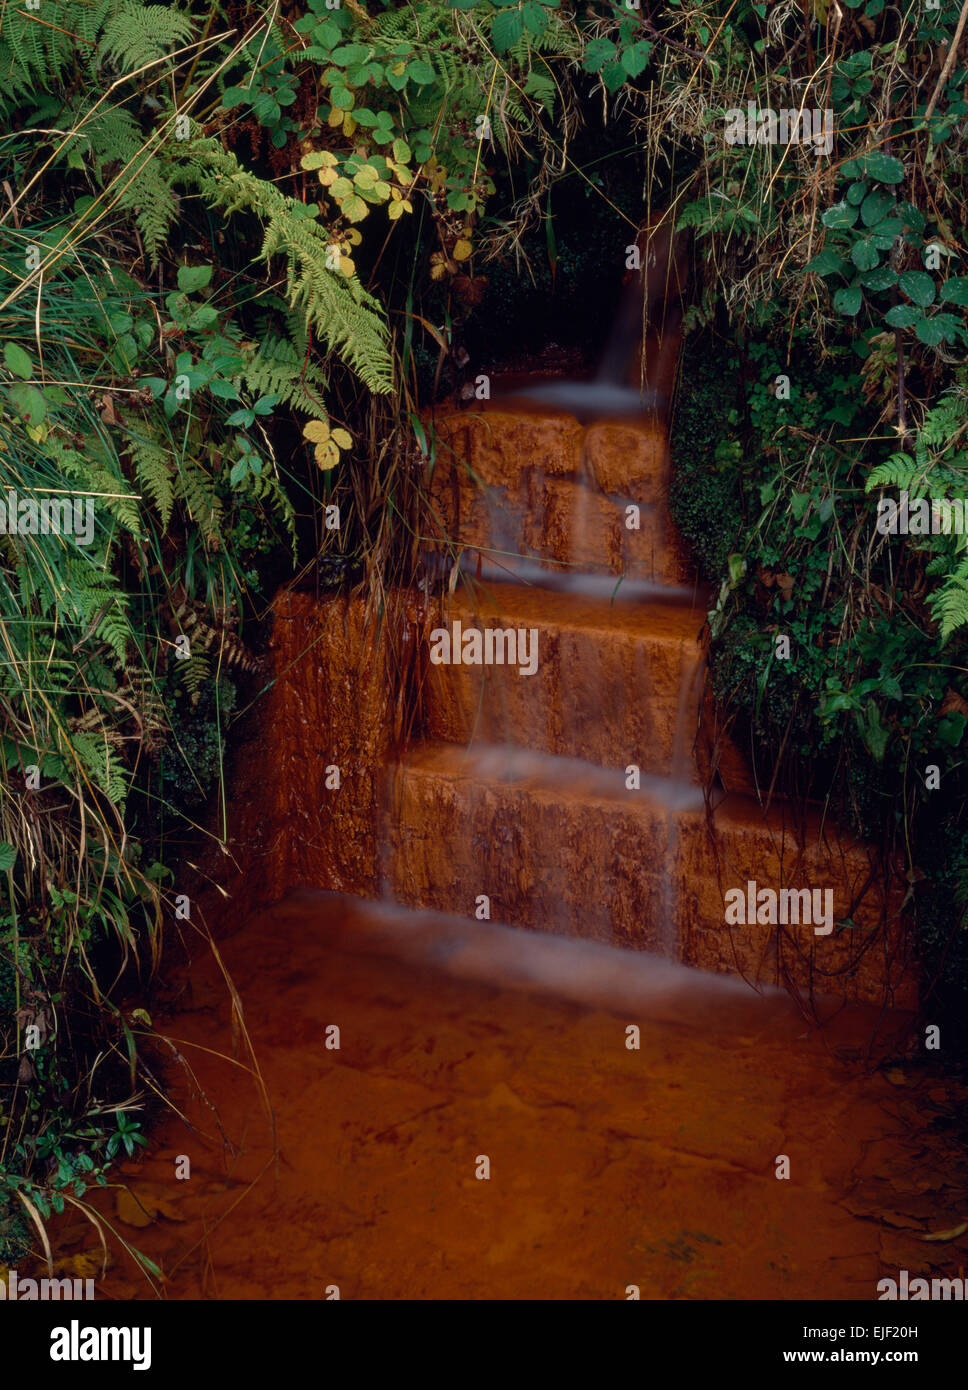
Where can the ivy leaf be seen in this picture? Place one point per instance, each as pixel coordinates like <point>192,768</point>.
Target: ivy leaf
<point>955,291</point>
<point>826,262</point>
<point>918,286</point>
<point>848,300</point>
<point>507,28</point>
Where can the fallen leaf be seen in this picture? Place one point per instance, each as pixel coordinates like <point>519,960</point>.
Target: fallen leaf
<point>133,1212</point>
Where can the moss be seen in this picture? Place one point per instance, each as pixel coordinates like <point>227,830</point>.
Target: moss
<point>705,497</point>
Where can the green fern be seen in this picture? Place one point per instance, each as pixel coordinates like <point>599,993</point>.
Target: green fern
<point>153,468</point>
<point>949,606</point>
<point>141,34</point>
<point>282,367</point>
<point>336,307</point>
<point>100,761</point>
<point>201,500</point>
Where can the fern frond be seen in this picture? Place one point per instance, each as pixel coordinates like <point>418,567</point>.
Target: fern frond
<point>341,312</point>
<point>153,468</point>
<point>141,34</point>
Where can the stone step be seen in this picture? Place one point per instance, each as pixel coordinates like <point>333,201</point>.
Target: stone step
<point>616,683</point>
<point>545,486</point>
<point>560,845</point>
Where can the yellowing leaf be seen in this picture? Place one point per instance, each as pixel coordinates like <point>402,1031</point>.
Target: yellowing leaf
<point>394,211</point>
<point>347,266</point>
<point>462,250</point>
<point>349,123</point>
<point>327,455</point>
<point>354,208</point>
<point>316,431</point>
<point>336,116</point>
<point>342,439</point>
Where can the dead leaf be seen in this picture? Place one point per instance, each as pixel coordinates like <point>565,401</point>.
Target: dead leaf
<point>132,1211</point>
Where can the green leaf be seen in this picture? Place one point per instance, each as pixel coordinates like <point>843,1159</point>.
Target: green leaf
<point>234,96</point>
<point>929,331</point>
<point>203,317</point>
<point>875,207</point>
<point>18,362</point>
<point>507,28</point>
<point>29,404</point>
<point>535,17</point>
<point>848,301</point>
<point>421,73</point>
<point>8,856</point>
<point>902,316</point>
<point>613,75</point>
<point>911,216</point>
<point>918,286</point>
<point>882,167</point>
<point>856,193</point>
<point>223,389</point>
<point>826,262</point>
<point>193,277</point>
<point>955,291</point>
<point>841,215</point>
<point>635,59</point>
<point>951,327</point>
<point>350,54</point>
<point>864,255</point>
<point>951,729</point>
<point>881,279</point>
<point>598,53</point>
